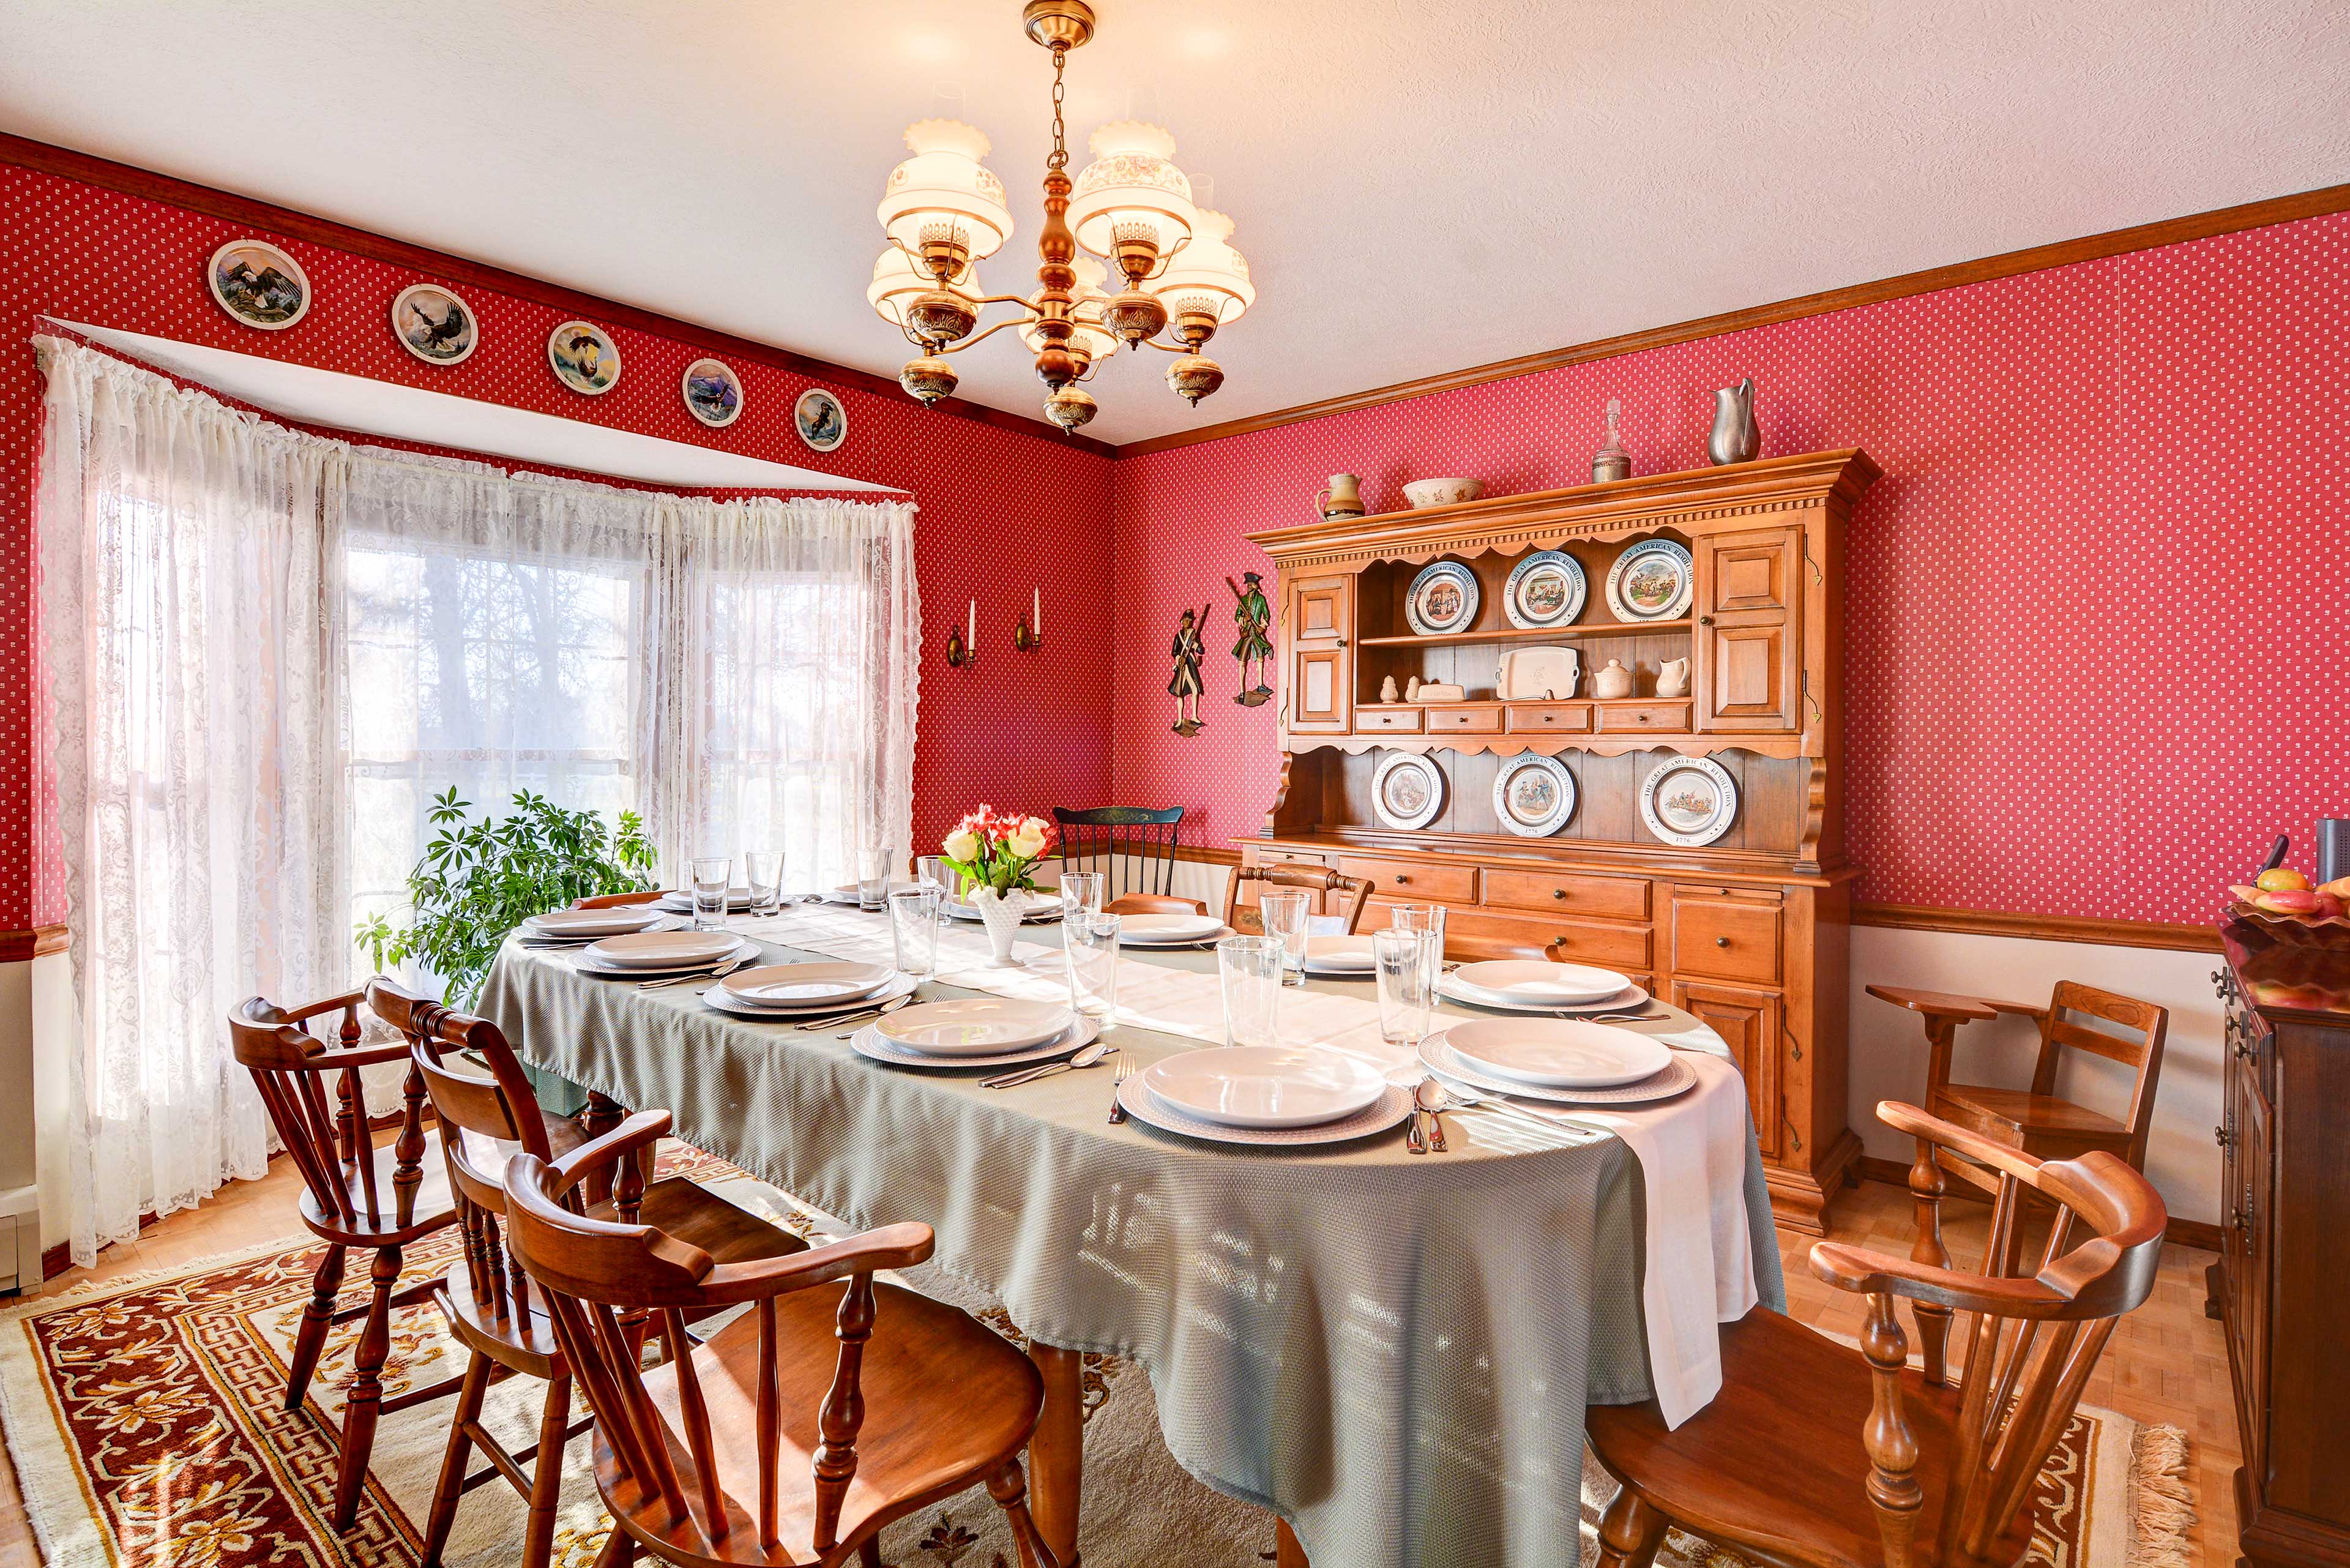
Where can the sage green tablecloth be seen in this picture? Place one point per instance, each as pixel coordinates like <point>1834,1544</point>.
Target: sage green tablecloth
<point>1392,1352</point>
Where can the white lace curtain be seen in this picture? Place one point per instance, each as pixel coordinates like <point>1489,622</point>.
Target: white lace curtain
<point>267,649</point>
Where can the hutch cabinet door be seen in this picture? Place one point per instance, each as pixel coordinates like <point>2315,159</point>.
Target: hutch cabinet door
<point>1321,610</point>
<point>1749,1023</point>
<point>1749,649</point>
<point>1321,667</point>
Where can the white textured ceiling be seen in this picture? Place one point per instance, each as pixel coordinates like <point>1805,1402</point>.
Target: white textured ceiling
<point>1418,187</point>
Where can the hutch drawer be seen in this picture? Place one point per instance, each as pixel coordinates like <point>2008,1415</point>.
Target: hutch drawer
<point>1624,947</point>
<point>1660,718</point>
<point>1726,940</point>
<point>1551,892</point>
<point>1406,719</point>
<point>1563,718</point>
<point>1477,720</point>
<point>1257,856</point>
<point>1413,881</point>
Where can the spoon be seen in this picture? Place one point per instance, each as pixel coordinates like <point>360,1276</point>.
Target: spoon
<point>1447,1097</point>
<point>892,1005</point>
<point>1429,1098</point>
<point>722,971</point>
<point>1086,1057</point>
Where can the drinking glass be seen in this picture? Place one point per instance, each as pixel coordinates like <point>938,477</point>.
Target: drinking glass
<point>1424,918</point>
<point>914,928</point>
<point>1091,943</point>
<point>872,877</point>
<point>1285,912</point>
<point>763,870</point>
<point>1406,967</point>
<point>712,876</point>
<point>1251,967</point>
<point>932,871</point>
<point>1081,893</point>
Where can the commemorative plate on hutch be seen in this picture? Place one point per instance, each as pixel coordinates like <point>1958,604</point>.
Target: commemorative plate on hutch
<point>1408,789</point>
<point>1689,801</point>
<point>1533,795</point>
<point>1444,599</point>
<point>1547,589</point>
<point>1653,580</point>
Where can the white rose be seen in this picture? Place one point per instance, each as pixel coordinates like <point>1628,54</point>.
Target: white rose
<point>1029,842</point>
<point>962,844</point>
<point>1034,824</point>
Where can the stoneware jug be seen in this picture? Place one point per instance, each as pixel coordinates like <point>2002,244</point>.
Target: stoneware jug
<point>1615,680</point>
<point>1672,678</point>
<point>1342,497</point>
<point>1736,437</point>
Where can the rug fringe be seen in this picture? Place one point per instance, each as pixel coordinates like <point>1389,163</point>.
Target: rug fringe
<point>2165,1506</point>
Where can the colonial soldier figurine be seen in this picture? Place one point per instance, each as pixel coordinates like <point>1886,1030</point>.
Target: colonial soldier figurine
<point>1254,649</point>
<point>1189,653</point>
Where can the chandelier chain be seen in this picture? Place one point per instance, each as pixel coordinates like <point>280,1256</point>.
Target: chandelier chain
<point>1060,155</point>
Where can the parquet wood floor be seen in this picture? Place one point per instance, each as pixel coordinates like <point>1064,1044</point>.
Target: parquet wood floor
<point>2165,1363</point>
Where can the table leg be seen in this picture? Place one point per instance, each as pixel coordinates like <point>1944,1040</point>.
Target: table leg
<point>1287,1552</point>
<point>1056,1453</point>
<point>602,1115</point>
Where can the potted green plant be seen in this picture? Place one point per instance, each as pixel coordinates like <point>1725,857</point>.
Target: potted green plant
<point>477,880</point>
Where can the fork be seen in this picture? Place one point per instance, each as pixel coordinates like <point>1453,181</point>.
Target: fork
<point>722,971</point>
<point>1117,1106</point>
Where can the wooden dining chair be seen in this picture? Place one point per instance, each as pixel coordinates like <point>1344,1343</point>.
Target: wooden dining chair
<point>1816,1454</point>
<point>621,900</point>
<point>1133,847</point>
<point>354,1194</point>
<point>805,1424</point>
<point>1354,892</point>
<point>488,1113</point>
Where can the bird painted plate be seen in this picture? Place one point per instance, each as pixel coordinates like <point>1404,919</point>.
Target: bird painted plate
<point>1534,796</point>
<point>1406,791</point>
<point>1444,599</point>
<point>1547,589</point>
<point>1689,801</point>
<point>1651,581</point>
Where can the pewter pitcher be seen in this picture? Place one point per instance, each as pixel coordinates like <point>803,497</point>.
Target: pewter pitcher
<point>1736,437</point>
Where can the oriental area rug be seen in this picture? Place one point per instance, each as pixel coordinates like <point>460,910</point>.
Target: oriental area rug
<point>145,1420</point>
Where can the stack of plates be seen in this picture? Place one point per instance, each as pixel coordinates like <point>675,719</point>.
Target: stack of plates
<point>1266,1094</point>
<point>572,927</point>
<point>1561,1060</point>
<point>661,955</point>
<point>1170,930</point>
<point>1037,908</point>
<point>1338,957</point>
<point>975,1031</point>
<point>805,991</point>
<point>1536,985</point>
<point>682,903</point>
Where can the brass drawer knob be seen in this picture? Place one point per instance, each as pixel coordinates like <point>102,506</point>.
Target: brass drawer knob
<point>1401,879</point>
<point>1558,892</point>
<point>2219,1135</point>
<point>1722,941</point>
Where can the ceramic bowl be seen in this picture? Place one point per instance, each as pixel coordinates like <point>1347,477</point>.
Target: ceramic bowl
<point>1443,492</point>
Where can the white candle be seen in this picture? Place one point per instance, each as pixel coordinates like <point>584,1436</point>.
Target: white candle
<point>970,627</point>
<point>1036,611</point>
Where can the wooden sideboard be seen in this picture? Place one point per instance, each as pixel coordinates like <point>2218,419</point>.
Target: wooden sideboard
<point>1748,932</point>
<point>2284,1249</point>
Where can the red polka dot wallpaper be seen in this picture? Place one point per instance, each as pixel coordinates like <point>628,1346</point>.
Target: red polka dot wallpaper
<point>2095,648</point>
<point>1001,509</point>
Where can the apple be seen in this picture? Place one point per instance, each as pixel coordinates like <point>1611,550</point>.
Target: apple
<point>2281,879</point>
<point>2289,901</point>
<point>2329,905</point>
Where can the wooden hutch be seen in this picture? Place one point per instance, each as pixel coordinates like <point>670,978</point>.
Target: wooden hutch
<point>1748,932</point>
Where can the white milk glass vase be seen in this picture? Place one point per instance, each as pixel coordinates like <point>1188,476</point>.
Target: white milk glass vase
<point>999,911</point>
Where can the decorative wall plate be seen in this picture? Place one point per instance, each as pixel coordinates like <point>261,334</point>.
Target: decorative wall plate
<point>584,358</point>
<point>1653,580</point>
<point>821,420</point>
<point>433,324</point>
<point>1534,796</point>
<point>1547,589</point>
<point>258,283</point>
<point>1408,789</point>
<point>713,392</point>
<point>1689,801</point>
<point>1537,674</point>
<point>1444,599</point>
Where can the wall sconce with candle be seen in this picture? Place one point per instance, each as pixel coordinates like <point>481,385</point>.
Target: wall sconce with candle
<point>1028,631</point>
<point>963,647</point>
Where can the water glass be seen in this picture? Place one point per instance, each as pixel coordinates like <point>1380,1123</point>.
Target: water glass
<point>914,928</point>
<point>1286,912</point>
<point>1251,967</point>
<point>1081,893</point>
<point>1423,917</point>
<point>872,877</point>
<point>1091,944</point>
<point>932,871</point>
<point>712,876</point>
<point>1406,967</point>
<point>762,869</point>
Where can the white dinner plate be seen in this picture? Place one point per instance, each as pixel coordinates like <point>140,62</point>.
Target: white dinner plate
<point>1382,1115</point>
<point>585,963</point>
<point>727,1003</point>
<point>973,1026</point>
<point>806,984</point>
<point>1265,1086</point>
<point>1436,1053</point>
<point>845,893</point>
<point>664,950</point>
<point>1537,983</point>
<point>1559,1053</point>
<point>1167,928</point>
<point>737,901</point>
<point>1624,1001</point>
<point>1081,1032</point>
<point>1337,955</point>
<point>957,909</point>
<point>610,922</point>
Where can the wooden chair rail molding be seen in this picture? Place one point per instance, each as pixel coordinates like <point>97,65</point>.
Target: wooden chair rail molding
<point>21,947</point>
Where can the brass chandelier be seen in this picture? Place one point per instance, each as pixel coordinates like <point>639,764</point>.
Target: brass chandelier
<point>944,214</point>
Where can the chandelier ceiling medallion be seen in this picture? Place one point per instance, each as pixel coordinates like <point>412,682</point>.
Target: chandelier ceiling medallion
<point>944,214</point>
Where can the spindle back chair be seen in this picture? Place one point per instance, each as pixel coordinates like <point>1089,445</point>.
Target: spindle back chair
<point>1132,846</point>
<point>1352,892</point>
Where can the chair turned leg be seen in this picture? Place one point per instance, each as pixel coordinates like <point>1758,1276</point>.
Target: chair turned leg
<point>1630,1531</point>
<point>619,1550</point>
<point>311,1338</point>
<point>453,1460</point>
<point>362,1404</point>
<point>868,1552</point>
<point>1009,1487</point>
<point>547,1475</point>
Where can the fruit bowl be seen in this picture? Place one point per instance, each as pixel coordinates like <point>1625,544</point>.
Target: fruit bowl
<point>2309,930</point>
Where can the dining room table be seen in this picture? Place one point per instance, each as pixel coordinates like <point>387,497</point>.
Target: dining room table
<point>1391,1351</point>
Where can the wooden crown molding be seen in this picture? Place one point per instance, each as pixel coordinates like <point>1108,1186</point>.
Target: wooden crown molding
<point>23,947</point>
<point>2035,258</point>
<point>130,181</point>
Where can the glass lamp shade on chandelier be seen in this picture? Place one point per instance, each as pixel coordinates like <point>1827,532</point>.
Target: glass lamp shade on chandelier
<point>944,214</point>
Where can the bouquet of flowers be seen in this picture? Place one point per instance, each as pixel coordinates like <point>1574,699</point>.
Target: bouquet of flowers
<point>995,850</point>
